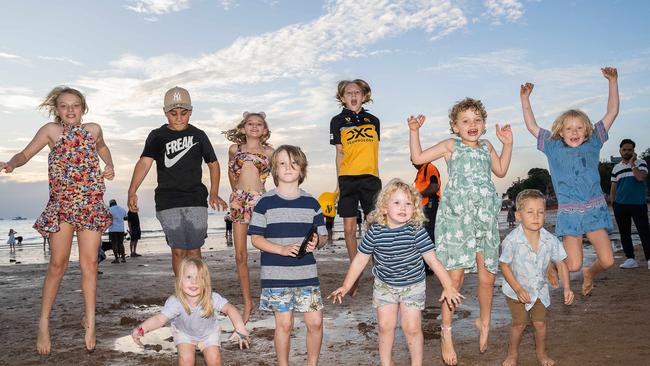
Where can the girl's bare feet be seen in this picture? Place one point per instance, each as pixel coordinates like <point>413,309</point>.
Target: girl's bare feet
<point>587,281</point>
<point>483,332</point>
<point>43,345</point>
<point>447,346</point>
<point>511,360</point>
<point>89,338</point>
<point>544,360</point>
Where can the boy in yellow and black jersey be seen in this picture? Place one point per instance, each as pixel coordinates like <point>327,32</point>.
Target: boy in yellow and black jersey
<point>355,134</point>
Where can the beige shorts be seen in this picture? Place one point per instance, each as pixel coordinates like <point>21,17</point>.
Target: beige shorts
<point>519,314</point>
<point>412,296</point>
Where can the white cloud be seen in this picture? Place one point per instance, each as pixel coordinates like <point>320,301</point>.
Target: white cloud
<point>498,10</point>
<point>8,56</point>
<point>506,61</point>
<point>134,85</point>
<point>17,98</point>
<point>228,4</point>
<point>158,7</point>
<point>60,59</point>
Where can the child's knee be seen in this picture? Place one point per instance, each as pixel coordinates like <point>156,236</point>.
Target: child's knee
<point>573,265</point>
<point>386,326</point>
<point>606,262</point>
<point>241,257</point>
<point>284,325</point>
<point>314,324</point>
<point>411,329</point>
<point>539,325</point>
<point>518,327</point>
<point>186,358</point>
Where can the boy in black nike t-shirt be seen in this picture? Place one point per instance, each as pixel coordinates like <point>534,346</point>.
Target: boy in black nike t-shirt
<point>355,134</point>
<point>179,150</point>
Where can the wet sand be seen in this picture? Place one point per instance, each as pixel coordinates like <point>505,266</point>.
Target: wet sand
<point>609,327</point>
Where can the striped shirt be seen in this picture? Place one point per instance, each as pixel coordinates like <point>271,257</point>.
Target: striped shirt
<point>628,189</point>
<point>397,253</point>
<point>285,221</point>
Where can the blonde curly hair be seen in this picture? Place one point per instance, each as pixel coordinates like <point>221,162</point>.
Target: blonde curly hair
<point>558,124</point>
<point>238,137</point>
<point>379,214</point>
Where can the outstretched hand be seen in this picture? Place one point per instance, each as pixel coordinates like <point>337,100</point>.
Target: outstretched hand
<point>242,336</point>
<point>526,90</point>
<point>416,122</point>
<point>137,335</point>
<point>451,296</point>
<point>610,73</point>
<point>338,295</point>
<point>504,134</point>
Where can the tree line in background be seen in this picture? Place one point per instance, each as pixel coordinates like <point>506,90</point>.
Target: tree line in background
<point>539,178</point>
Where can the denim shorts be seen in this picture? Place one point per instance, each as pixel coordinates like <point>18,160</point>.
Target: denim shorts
<point>412,296</point>
<point>301,299</point>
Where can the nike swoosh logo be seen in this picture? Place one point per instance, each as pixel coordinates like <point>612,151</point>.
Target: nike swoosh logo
<point>170,162</point>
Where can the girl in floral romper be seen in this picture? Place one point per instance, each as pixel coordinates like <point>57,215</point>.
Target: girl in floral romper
<point>467,235</point>
<point>76,202</point>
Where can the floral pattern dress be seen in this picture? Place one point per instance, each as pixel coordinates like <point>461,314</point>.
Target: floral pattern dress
<point>76,185</point>
<point>467,218</point>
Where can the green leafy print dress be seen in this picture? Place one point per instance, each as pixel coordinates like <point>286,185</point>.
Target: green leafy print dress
<point>467,219</point>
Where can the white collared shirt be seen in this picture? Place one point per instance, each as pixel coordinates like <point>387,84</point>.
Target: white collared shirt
<point>529,267</point>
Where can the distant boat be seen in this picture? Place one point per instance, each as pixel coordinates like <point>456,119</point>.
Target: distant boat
<point>19,218</point>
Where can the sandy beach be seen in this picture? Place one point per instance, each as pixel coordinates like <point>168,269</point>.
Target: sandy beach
<point>608,327</point>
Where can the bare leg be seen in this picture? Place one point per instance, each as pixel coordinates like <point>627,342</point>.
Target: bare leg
<point>446,342</point>
<point>411,321</point>
<point>349,231</point>
<point>516,332</point>
<point>89,242</point>
<point>186,354</point>
<point>386,321</point>
<point>314,323</point>
<point>212,356</point>
<point>540,344</point>
<point>241,259</point>
<point>283,327</point>
<point>179,254</point>
<point>485,292</point>
<point>59,256</point>
<point>604,259</point>
<point>573,248</point>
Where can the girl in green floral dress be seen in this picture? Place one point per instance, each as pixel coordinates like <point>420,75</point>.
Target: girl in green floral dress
<point>467,235</point>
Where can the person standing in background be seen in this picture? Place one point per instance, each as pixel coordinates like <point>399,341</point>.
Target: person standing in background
<point>133,220</point>
<point>116,231</point>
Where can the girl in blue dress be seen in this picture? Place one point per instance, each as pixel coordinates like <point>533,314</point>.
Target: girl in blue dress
<point>572,148</point>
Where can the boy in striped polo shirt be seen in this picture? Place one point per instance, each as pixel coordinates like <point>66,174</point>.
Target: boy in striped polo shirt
<point>281,219</point>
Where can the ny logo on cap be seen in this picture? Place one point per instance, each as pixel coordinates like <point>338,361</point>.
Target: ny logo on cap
<point>177,97</point>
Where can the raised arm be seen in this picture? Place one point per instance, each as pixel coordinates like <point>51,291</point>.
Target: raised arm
<point>500,163</point>
<point>529,117</point>
<point>611,74</point>
<point>139,173</point>
<point>42,138</point>
<point>441,149</point>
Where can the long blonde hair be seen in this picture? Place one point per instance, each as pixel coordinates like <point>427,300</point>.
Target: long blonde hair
<point>379,214</point>
<point>237,136</point>
<point>50,101</point>
<point>204,282</point>
<point>558,125</point>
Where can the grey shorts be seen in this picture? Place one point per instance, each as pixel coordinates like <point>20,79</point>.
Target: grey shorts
<point>184,227</point>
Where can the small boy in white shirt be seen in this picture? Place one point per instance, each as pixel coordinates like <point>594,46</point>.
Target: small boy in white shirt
<point>526,254</point>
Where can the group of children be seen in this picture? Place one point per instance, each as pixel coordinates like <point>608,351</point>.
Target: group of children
<point>466,237</point>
